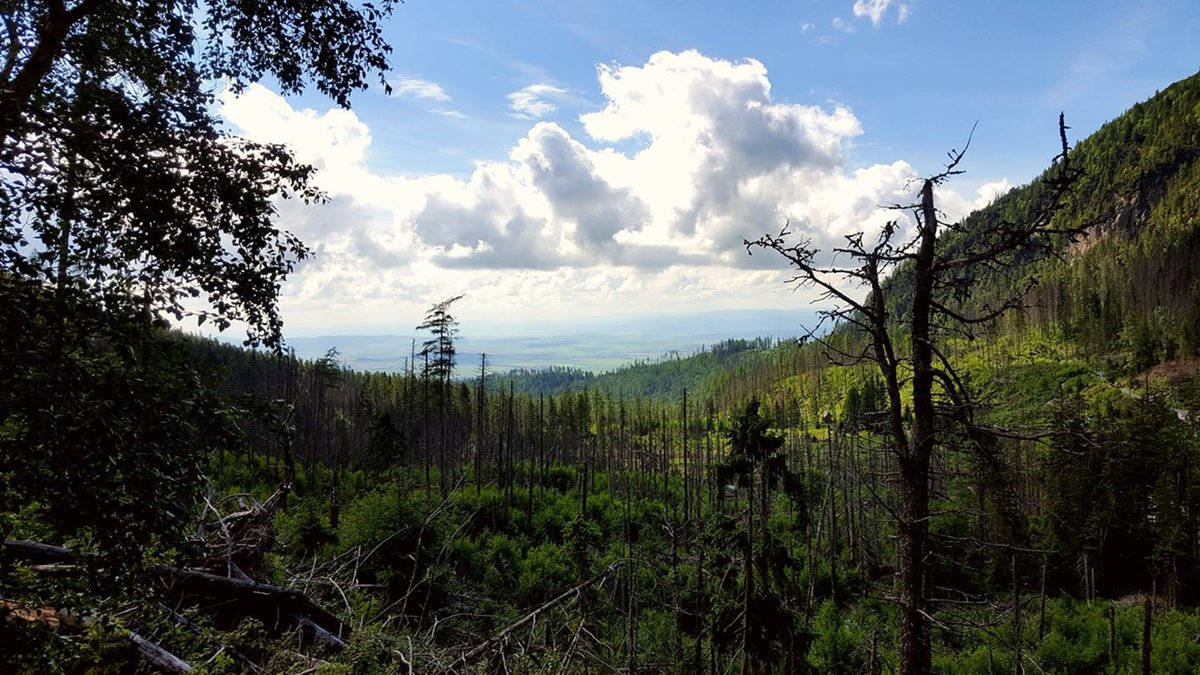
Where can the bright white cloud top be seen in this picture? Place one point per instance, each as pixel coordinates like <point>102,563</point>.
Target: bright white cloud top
<point>687,155</point>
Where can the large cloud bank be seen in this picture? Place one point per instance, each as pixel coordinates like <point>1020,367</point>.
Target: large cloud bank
<point>687,155</point>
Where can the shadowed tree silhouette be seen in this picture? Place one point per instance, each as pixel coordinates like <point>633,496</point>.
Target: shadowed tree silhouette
<point>924,278</point>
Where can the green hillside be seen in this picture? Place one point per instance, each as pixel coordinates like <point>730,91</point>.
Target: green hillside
<point>1133,279</point>
<point>1125,297</point>
<point>1129,289</point>
<point>664,378</point>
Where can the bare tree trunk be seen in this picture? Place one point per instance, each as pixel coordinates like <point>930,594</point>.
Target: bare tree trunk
<point>915,639</point>
<point>1112,638</point>
<point>1042,609</point>
<point>1147,619</point>
<point>915,646</point>
<point>831,468</point>
<point>748,578</point>
<point>481,407</point>
<point>425,430</point>
<point>1017,633</point>
<point>698,657</point>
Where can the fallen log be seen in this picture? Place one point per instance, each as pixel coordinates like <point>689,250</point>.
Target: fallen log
<point>273,605</point>
<point>317,633</point>
<point>34,552</point>
<point>150,652</point>
<point>277,607</point>
<point>159,657</point>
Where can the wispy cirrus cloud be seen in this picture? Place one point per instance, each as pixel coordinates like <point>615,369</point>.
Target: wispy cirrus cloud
<point>417,88</point>
<point>535,101</point>
<point>842,25</point>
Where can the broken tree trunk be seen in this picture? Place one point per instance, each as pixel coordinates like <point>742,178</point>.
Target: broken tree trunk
<point>159,657</point>
<point>33,552</point>
<point>150,652</point>
<point>277,607</point>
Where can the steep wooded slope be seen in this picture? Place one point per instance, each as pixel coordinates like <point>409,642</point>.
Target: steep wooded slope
<point>1134,278</point>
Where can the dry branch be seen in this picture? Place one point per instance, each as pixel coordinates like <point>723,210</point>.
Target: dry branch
<point>482,648</point>
<point>150,652</point>
<point>276,606</point>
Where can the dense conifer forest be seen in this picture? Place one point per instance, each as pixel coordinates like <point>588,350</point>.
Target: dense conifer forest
<point>180,504</point>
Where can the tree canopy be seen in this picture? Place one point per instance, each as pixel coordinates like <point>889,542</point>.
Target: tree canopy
<point>119,179</point>
<point>123,202</point>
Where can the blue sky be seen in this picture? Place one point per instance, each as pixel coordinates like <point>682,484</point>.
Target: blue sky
<point>564,159</point>
<point>1010,65</point>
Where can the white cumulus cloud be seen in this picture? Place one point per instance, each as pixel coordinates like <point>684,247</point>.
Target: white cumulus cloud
<point>686,155</point>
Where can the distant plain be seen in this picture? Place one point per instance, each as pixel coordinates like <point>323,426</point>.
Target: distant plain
<point>597,345</point>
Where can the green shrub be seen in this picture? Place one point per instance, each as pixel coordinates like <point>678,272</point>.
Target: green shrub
<point>547,571</point>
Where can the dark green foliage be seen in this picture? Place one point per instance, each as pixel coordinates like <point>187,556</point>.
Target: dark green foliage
<point>1122,493</point>
<point>439,350</point>
<point>123,200</point>
<point>307,532</point>
<point>103,427</point>
<point>582,539</point>
<point>843,641</point>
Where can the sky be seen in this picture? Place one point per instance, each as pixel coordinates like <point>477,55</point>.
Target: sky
<point>560,160</point>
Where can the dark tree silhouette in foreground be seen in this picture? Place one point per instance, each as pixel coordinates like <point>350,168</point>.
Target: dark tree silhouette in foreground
<point>933,276</point>
<point>124,200</point>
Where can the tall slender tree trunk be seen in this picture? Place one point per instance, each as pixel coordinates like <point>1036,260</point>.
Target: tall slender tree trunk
<point>1147,621</point>
<point>748,664</point>
<point>425,430</point>
<point>687,476</point>
<point>1018,631</point>
<point>831,468</point>
<point>915,633</point>
<point>914,510</point>
<point>482,415</point>
<point>443,465</point>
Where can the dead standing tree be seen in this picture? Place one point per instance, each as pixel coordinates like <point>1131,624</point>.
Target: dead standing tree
<point>934,275</point>
<point>439,352</point>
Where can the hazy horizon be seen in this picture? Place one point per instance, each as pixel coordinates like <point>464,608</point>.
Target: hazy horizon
<point>597,345</point>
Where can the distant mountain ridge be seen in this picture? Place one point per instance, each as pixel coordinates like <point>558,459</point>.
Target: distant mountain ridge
<point>664,378</point>
<point>596,345</point>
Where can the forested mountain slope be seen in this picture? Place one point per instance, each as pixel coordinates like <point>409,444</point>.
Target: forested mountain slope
<point>666,378</point>
<point>1121,299</point>
<point>1134,276</point>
